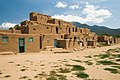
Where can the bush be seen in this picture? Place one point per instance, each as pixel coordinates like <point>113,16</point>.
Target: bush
<point>66,70</point>
<point>82,75</point>
<point>111,70</point>
<point>52,78</point>
<point>107,62</point>
<point>116,67</point>
<point>62,77</point>
<point>88,62</point>
<point>78,67</point>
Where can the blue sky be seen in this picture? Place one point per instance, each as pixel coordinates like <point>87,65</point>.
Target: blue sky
<point>92,12</point>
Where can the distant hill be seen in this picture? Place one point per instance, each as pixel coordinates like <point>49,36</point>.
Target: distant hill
<point>1,28</point>
<point>98,29</point>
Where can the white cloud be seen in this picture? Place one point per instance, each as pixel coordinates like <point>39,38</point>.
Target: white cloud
<point>69,18</point>
<point>61,5</point>
<point>74,7</point>
<point>7,25</point>
<point>93,14</point>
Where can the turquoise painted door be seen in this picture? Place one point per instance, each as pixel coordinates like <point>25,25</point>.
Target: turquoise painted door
<point>21,46</point>
<point>55,42</point>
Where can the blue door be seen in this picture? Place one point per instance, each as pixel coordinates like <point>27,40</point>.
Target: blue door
<point>55,42</point>
<point>21,45</point>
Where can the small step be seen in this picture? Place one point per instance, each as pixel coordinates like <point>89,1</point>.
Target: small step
<point>7,53</point>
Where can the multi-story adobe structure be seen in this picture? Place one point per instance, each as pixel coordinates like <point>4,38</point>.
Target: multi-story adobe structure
<point>106,39</point>
<point>58,33</point>
<point>43,31</point>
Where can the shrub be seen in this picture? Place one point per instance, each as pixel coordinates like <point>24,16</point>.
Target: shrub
<point>62,77</point>
<point>111,70</point>
<point>116,67</point>
<point>78,67</point>
<point>66,70</point>
<point>88,62</point>
<point>107,62</point>
<point>82,75</point>
<point>7,76</point>
<point>52,78</point>
<point>77,60</point>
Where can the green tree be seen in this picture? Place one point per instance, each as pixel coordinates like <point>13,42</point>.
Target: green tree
<point>16,27</point>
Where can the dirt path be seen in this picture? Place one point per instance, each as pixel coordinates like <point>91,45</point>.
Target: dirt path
<point>37,66</point>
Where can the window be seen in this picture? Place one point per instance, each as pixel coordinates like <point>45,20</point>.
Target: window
<point>34,29</point>
<point>75,38</point>
<point>81,31</point>
<point>47,27</point>
<point>56,30</point>
<point>61,36</point>
<point>31,39</point>
<point>73,29</point>
<point>5,39</point>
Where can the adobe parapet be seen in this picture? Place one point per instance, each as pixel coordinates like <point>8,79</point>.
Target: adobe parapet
<point>40,18</point>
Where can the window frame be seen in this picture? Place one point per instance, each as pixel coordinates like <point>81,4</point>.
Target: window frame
<point>30,40</point>
<point>5,37</point>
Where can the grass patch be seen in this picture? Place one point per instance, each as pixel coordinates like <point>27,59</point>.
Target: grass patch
<point>107,62</point>
<point>52,78</point>
<point>118,67</point>
<point>42,74</point>
<point>52,73</point>
<point>62,77</point>
<point>23,70</point>
<point>11,62</point>
<point>64,70</point>
<point>42,65</point>
<point>7,76</point>
<point>117,59</point>
<point>88,62</point>
<point>78,67</point>
<point>23,77</point>
<point>82,75</point>
<point>62,52</point>
<point>103,56</point>
<point>111,70</point>
<point>116,50</point>
<point>36,76</point>
<point>17,65</point>
<point>77,61</point>
<point>88,56</point>
<point>1,73</point>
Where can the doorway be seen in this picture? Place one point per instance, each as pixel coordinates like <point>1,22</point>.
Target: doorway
<point>55,43</point>
<point>21,46</point>
<point>40,41</point>
<point>69,30</point>
<point>56,30</point>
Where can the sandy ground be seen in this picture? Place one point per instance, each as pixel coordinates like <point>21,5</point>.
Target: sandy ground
<point>32,64</point>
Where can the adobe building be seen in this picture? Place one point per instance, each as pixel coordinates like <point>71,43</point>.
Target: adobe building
<point>19,43</point>
<point>107,39</point>
<point>43,31</point>
<point>55,32</point>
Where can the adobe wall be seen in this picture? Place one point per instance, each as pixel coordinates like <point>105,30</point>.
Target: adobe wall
<point>12,44</point>
<point>62,43</point>
<point>72,44</point>
<point>26,23</point>
<point>40,18</point>
<point>48,39</point>
<point>59,22</point>
<point>10,31</point>
<point>92,44</point>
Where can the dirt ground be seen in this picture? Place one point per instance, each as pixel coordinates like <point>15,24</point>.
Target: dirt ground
<point>37,66</point>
